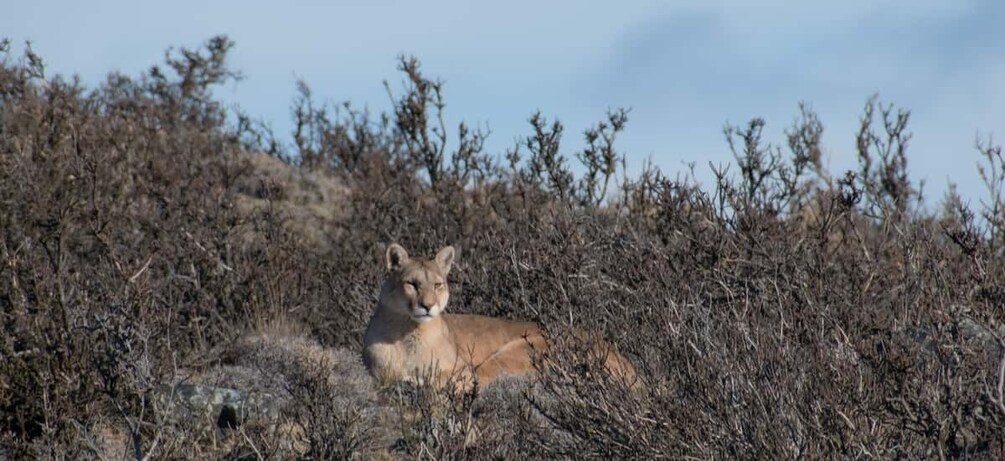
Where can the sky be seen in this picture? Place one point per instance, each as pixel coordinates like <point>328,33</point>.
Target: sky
<point>685,68</point>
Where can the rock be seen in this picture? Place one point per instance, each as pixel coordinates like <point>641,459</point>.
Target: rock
<point>228,407</point>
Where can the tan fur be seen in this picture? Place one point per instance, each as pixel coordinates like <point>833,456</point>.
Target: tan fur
<point>407,341</point>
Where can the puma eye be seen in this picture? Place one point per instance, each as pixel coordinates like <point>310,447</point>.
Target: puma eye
<point>439,286</point>
<point>410,285</point>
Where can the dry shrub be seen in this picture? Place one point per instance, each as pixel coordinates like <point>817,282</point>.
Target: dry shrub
<point>329,409</point>
<point>781,311</point>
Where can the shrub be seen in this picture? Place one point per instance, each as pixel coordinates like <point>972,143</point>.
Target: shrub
<point>781,311</point>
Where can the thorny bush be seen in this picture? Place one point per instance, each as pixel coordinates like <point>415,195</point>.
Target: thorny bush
<point>781,312</point>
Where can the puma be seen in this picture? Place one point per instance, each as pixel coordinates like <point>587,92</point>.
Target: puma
<point>411,338</point>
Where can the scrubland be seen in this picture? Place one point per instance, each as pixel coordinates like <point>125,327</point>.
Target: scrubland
<point>152,239</point>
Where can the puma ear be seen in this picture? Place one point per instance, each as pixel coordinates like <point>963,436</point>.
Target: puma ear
<point>445,258</point>
<point>396,256</point>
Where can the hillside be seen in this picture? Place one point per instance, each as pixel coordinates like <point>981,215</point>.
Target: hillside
<point>151,239</point>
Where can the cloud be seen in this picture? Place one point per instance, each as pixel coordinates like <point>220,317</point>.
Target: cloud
<point>686,71</point>
<point>685,67</point>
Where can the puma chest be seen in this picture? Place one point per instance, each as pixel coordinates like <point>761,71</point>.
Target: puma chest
<point>410,355</point>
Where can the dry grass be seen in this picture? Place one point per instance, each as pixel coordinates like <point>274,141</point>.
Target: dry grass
<point>148,237</point>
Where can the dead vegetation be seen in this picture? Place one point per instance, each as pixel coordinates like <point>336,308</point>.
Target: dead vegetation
<point>783,311</point>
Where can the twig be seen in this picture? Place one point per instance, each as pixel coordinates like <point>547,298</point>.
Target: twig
<point>252,445</point>
<point>1000,400</point>
<point>209,253</point>
<point>142,270</point>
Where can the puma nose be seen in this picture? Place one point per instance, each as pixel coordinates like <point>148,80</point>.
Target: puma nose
<point>425,307</point>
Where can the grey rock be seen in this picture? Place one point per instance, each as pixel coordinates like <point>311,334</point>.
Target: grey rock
<point>228,407</point>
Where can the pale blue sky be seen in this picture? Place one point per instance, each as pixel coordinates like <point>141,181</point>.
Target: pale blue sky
<point>684,67</point>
